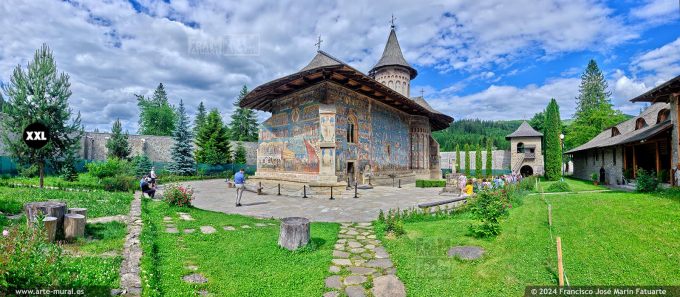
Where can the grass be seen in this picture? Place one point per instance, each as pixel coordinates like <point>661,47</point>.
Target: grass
<point>98,203</point>
<point>245,262</point>
<point>611,238</point>
<point>85,181</point>
<point>576,185</point>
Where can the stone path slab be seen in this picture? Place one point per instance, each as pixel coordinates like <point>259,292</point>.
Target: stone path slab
<point>208,229</point>
<point>130,282</point>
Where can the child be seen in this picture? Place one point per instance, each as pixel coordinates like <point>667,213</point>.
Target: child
<point>468,189</point>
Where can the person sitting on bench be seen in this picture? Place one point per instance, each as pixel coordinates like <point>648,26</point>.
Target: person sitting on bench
<point>146,187</point>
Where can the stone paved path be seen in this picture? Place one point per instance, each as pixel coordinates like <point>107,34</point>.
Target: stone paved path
<point>360,262</point>
<point>132,252</point>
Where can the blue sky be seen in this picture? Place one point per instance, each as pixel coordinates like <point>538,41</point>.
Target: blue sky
<point>489,59</point>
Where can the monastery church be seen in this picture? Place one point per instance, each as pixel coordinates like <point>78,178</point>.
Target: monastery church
<point>331,124</point>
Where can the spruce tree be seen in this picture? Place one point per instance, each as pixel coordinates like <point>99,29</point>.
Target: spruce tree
<point>182,153</point>
<point>39,94</point>
<point>553,145</point>
<point>212,141</point>
<point>200,118</point>
<point>243,125</point>
<point>467,159</point>
<point>117,144</point>
<point>68,169</point>
<point>156,115</point>
<point>142,165</point>
<point>489,161</point>
<point>240,155</point>
<point>457,158</point>
<point>478,161</point>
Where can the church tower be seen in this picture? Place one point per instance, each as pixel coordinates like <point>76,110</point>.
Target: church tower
<point>392,69</point>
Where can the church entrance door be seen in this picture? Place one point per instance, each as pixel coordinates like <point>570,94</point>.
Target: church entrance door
<point>350,174</point>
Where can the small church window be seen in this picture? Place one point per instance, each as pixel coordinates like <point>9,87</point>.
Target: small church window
<point>352,129</point>
<point>389,151</point>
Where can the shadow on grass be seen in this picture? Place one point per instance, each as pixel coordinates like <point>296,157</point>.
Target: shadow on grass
<point>101,231</point>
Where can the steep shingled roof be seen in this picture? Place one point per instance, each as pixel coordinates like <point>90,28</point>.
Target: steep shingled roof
<point>320,60</point>
<point>392,56</point>
<point>627,130</point>
<point>524,130</point>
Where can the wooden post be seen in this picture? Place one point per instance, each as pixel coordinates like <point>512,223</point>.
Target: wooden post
<point>259,188</point>
<point>50,228</point>
<point>74,226</point>
<point>332,194</point>
<point>294,233</point>
<point>634,163</point>
<point>355,190</point>
<point>304,191</point>
<point>80,211</point>
<point>560,266</point>
<point>658,162</point>
<point>400,183</point>
<point>549,214</point>
<point>279,193</point>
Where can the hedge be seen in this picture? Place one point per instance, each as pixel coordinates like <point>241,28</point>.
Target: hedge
<point>430,183</point>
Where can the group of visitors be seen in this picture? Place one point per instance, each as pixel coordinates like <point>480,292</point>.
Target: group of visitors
<point>148,183</point>
<point>468,186</point>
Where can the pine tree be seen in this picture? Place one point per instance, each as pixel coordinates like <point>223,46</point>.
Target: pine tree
<point>240,155</point>
<point>117,144</point>
<point>489,161</point>
<point>457,158</point>
<point>553,145</point>
<point>594,111</point>
<point>467,159</point>
<point>243,125</point>
<point>40,94</point>
<point>182,153</point>
<point>68,169</point>
<point>478,161</point>
<point>212,141</point>
<point>156,115</point>
<point>142,165</point>
<point>200,118</point>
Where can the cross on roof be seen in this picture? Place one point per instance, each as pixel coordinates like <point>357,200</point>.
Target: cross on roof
<point>318,43</point>
<point>422,91</point>
<point>392,21</point>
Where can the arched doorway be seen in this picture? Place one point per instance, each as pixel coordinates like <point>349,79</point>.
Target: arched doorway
<point>526,170</point>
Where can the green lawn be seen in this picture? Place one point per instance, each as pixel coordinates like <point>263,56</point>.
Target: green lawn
<point>85,181</point>
<point>609,238</point>
<point>245,262</point>
<point>576,185</point>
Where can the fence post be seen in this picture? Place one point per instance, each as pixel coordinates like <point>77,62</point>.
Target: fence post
<point>560,266</point>
<point>332,193</point>
<point>259,188</point>
<point>304,191</point>
<point>400,183</point>
<point>279,194</point>
<point>549,214</point>
<point>355,190</point>
<point>369,180</point>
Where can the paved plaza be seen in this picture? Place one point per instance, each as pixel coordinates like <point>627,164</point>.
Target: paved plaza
<point>216,196</point>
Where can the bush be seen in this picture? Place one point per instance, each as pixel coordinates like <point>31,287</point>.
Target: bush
<point>559,186</point>
<point>489,207</point>
<point>663,175</point>
<point>528,183</point>
<point>120,183</point>
<point>178,195</point>
<point>430,183</point>
<point>110,168</point>
<point>29,171</point>
<point>646,181</point>
<point>27,259</point>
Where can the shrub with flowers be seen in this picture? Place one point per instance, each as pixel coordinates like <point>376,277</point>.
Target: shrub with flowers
<point>178,195</point>
<point>27,259</point>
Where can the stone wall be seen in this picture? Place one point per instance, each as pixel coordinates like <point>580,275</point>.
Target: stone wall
<point>500,159</point>
<point>588,162</point>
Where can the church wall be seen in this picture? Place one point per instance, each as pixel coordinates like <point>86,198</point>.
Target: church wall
<point>288,141</point>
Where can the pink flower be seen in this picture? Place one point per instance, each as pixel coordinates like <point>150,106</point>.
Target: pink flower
<point>5,233</point>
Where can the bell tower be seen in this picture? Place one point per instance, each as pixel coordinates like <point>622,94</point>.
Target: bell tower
<point>392,69</point>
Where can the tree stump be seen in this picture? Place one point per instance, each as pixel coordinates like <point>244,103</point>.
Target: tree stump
<point>50,228</point>
<point>294,233</point>
<point>49,209</point>
<point>74,226</point>
<point>80,211</point>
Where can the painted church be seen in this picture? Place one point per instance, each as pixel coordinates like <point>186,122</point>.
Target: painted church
<point>331,124</point>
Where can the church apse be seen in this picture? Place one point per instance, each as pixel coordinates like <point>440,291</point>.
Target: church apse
<point>289,138</point>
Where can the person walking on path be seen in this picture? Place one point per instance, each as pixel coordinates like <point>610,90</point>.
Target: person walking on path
<point>239,182</point>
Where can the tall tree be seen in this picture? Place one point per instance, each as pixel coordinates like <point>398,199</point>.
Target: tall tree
<point>212,141</point>
<point>243,125</point>
<point>240,154</point>
<point>553,145</point>
<point>467,159</point>
<point>538,121</point>
<point>200,118</point>
<point>478,161</point>
<point>457,158</point>
<point>182,153</point>
<point>117,144</point>
<point>594,111</point>
<point>40,94</point>
<point>156,115</point>
<point>489,160</point>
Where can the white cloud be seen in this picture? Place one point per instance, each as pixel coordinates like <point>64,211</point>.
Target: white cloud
<point>660,64</point>
<point>657,11</point>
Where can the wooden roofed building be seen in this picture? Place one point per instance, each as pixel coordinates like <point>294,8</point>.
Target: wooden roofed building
<point>332,124</point>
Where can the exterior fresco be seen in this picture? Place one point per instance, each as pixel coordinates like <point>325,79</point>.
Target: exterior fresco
<point>289,139</point>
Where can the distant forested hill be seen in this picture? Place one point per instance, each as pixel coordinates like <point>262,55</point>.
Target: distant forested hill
<point>475,131</point>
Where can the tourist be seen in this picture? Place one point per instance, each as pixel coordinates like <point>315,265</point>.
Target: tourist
<point>239,182</point>
<point>677,175</point>
<point>152,175</point>
<point>468,189</point>
<point>462,180</point>
<point>146,187</point>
